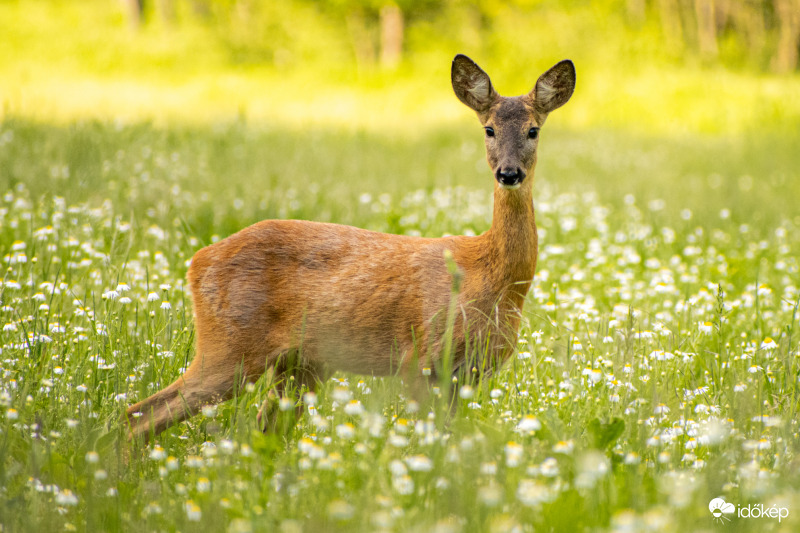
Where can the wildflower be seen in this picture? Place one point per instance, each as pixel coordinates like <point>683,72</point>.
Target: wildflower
<point>285,404</point>
<point>466,392</point>
<point>768,344</point>
<point>661,355</point>
<point>754,369</point>
<point>564,446</point>
<point>209,411</point>
<point>153,296</point>
<point>346,431</point>
<point>172,463</point>
<point>513,453</point>
<point>209,449</point>
<point>203,484</point>
<point>310,398</point>
<point>489,469</point>
<point>66,497</point>
<point>354,408</point>
<point>768,421</point>
<point>342,395</point>
<point>490,495</point>
<point>592,466</point>
<point>549,467</point>
<point>157,453</point>
<point>340,510</point>
<point>194,461</point>
<point>532,493</point>
<point>403,484</point>
<point>397,468</point>
<point>706,327</point>
<point>661,409</point>
<point>166,305</point>
<point>419,463</point>
<point>193,512</point>
<point>398,441</point>
<point>528,424</point>
<point>632,458</point>
<point>92,457</point>
<point>12,414</point>
<point>152,508</point>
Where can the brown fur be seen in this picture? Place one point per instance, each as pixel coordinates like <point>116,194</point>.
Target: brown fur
<point>334,297</point>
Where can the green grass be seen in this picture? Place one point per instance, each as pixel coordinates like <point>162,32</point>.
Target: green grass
<point>666,263</point>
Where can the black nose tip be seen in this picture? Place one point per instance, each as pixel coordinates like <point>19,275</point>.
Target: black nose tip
<point>510,176</point>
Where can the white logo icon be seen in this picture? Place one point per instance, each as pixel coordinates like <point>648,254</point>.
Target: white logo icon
<point>719,508</point>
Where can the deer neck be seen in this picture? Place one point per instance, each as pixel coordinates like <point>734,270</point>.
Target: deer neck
<point>512,241</point>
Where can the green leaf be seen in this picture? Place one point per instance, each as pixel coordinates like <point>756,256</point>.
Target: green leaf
<point>605,434</point>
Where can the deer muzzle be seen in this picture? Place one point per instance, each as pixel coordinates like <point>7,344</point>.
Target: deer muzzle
<point>510,178</point>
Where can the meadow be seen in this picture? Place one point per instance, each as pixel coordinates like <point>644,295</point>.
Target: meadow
<point>658,366</point>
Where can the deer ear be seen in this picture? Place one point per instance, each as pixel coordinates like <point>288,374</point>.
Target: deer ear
<point>471,84</point>
<point>554,87</point>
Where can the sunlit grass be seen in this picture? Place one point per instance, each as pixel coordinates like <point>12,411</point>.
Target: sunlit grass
<point>657,368</point>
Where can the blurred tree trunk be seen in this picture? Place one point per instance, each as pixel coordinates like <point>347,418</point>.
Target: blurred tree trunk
<point>636,10</point>
<point>391,21</point>
<point>361,39</point>
<point>706,28</point>
<point>166,10</point>
<point>670,16</point>
<point>134,9</point>
<point>788,12</point>
<point>748,20</point>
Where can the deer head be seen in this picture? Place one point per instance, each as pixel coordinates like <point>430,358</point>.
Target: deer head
<point>511,123</point>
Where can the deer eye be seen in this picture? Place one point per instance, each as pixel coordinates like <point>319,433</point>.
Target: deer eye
<point>489,131</point>
<point>533,133</point>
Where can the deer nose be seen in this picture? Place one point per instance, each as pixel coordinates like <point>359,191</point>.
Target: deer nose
<point>509,177</point>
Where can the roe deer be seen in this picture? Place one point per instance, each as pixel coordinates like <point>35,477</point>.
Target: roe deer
<point>335,297</point>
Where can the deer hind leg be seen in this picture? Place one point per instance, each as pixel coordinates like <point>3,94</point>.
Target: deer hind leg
<point>212,377</point>
<point>290,379</point>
